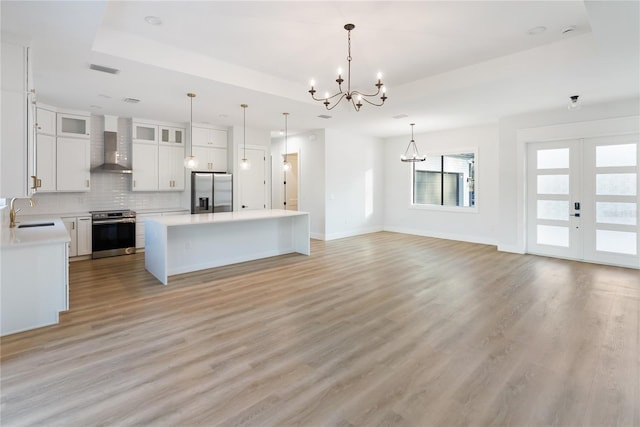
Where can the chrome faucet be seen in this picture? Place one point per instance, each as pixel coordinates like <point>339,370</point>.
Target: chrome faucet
<point>13,211</point>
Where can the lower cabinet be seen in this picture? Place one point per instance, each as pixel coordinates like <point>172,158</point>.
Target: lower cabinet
<point>140,219</point>
<point>79,229</point>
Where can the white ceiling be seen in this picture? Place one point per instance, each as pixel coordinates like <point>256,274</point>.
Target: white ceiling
<point>445,63</point>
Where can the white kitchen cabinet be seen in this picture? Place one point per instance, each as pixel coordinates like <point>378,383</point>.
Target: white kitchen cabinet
<point>73,164</point>
<point>207,137</point>
<point>45,121</point>
<point>16,151</point>
<point>171,135</point>
<point>145,167</point>
<point>72,228</point>
<point>140,219</point>
<point>73,125</point>
<point>145,132</point>
<point>83,235</point>
<point>171,168</point>
<point>46,155</point>
<point>34,277</point>
<point>211,159</point>
<point>79,229</point>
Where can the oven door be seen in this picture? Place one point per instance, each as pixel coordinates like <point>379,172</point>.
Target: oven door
<point>113,237</point>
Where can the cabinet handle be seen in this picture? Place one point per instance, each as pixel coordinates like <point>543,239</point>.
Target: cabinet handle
<point>73,225</point>
<point>134,183</point>
<point>35,182</point>
<point>39,183</point>
<point>87,183</point>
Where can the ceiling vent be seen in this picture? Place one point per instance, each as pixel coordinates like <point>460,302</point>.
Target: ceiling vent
<point>104,69</point>
<point>131,100</point>
<point>324,116</point>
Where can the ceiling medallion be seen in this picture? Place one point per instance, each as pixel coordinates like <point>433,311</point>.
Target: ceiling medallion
<point>354,97</point>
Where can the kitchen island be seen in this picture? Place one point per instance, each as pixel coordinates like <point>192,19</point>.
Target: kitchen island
<point>34,283</point>
<point>184,243</point>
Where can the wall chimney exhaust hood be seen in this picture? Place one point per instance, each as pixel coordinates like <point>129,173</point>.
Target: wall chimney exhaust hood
<point>111,154</point>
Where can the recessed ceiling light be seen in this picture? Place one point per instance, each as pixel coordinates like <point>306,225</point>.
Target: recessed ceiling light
<point>102,95</point>
<point>152,20</point>
<point>400,116</point>
<point>324,116</point>
<point>97,107</point>
<point>569,29</point>
<point>131,100</point>
<point>537,30</point>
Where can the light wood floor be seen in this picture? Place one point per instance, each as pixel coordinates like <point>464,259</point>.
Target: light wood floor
<point>381,329</point>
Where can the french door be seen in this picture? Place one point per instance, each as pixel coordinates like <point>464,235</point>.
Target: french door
<point>582,199</point>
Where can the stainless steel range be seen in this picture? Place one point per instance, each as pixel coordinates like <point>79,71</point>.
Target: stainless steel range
<point>113,233</point>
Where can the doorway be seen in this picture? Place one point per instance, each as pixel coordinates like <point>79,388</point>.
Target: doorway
<point>582,199</point>
<point>253,181</point>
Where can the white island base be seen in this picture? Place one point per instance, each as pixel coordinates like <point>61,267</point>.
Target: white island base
<point>184,243</point>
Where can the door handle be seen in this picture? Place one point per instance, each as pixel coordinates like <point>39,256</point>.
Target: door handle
<point>577,215</point>
<point>244,206</point>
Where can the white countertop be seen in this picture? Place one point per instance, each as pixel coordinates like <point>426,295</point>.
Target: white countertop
<point>19,237</point>
<point>221,217</point>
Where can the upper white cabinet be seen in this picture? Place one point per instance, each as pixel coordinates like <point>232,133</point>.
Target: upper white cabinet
<point>145,167</point>
<point>17,148</point>
<point>145,132</point>
<point>171,135</point>
<point>61,163</point>
<point>171,168</point>
<point>73,164</point>
<point>45,121</point>
<point>158,156</point>
<point>206,137</point>
<point>210,148</point>
<point>73,126</point>
<point>211,159</point>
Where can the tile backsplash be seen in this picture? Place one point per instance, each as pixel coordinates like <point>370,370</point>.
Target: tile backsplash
<point>108,190</point>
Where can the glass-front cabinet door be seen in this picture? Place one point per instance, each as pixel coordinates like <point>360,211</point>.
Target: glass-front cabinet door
<point>143,132</point>
<point>73,126</point>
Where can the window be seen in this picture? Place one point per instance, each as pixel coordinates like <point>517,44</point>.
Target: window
<point>445,180</point>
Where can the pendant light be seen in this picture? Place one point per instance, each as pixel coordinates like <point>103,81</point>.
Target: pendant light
<point>573,103</point>
<point>244,163</point>
<point>286,166</point>
<point>191,162</point>
<point>411,154</point>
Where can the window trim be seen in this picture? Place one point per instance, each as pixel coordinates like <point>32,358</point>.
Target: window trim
<point>447,208</point>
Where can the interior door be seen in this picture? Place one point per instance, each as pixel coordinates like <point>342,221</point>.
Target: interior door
<point>582,199</point>
<point>252,181</point>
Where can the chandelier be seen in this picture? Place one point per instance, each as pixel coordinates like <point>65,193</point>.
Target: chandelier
<point>411,154</point>
<point>353,96</point>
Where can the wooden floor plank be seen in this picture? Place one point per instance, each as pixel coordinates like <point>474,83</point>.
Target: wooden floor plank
<point>380,329</point>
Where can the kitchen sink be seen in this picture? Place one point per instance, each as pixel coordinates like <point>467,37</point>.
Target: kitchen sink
<point>39,224</point>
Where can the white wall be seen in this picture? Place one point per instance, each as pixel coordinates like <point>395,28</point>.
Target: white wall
<point>464,224</point>
<point>354,179</point>
<point>310,147</point>
<point>512,171</point>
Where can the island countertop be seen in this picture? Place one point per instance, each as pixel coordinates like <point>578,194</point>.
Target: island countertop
<point>221,217</point>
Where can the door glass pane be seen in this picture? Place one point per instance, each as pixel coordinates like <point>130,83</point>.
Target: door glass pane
<point>553,184</point>
<point>616,184</point>
<point>553,235</point>
<point>553,209</point>
<point>621,242</point>
<point>553,159</point>
<point>616,155</point>
<point>616,213</point>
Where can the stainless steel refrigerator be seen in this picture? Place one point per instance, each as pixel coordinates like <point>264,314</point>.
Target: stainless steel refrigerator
<point>211,192</point>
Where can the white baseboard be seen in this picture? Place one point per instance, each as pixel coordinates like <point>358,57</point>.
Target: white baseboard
<point>351,233</point>
<point>447,236</point>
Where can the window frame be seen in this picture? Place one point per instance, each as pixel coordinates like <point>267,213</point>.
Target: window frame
<point>447,208</point>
